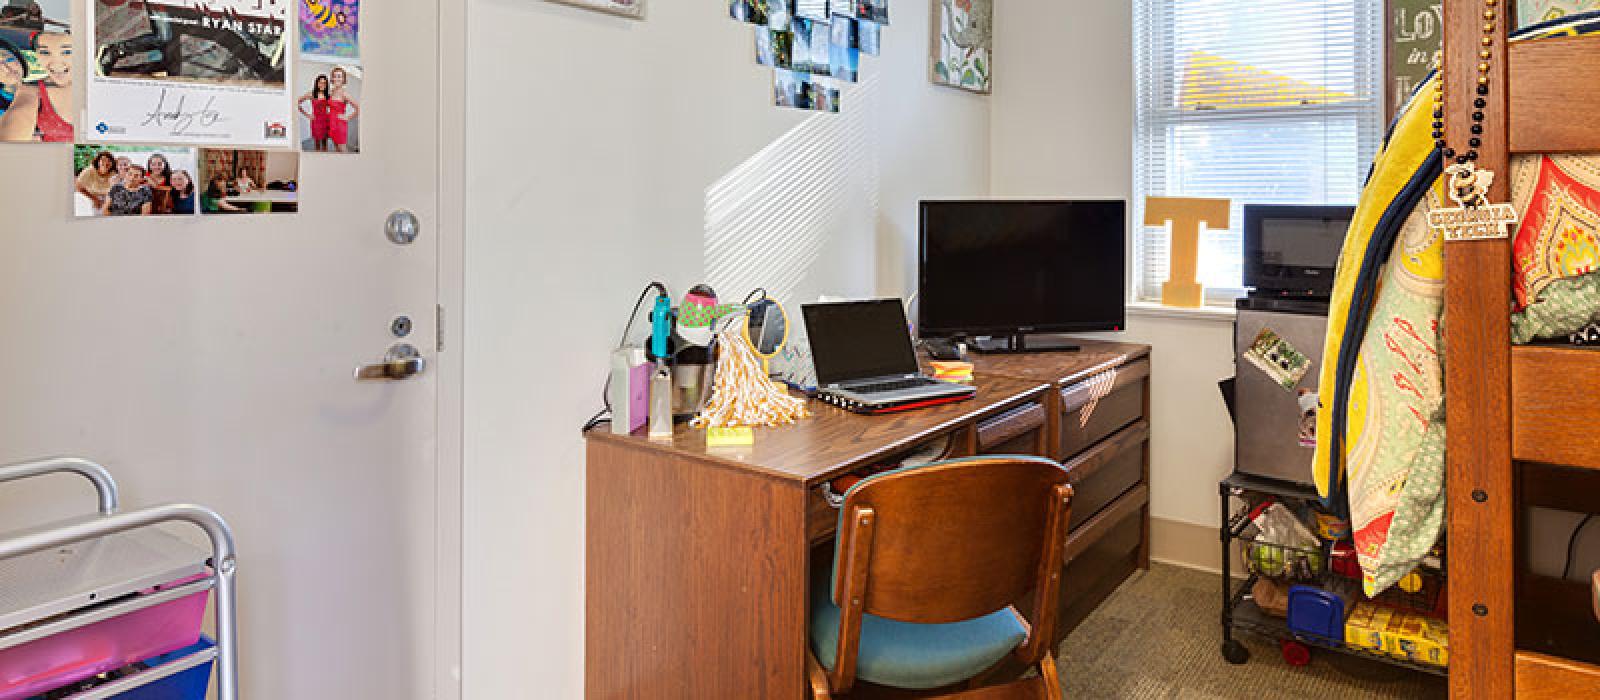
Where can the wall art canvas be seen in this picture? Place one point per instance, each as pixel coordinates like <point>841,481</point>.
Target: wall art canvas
<point>1416,30</point>
<point>626,8</point>
<point>36,47</point>
<point>330,29</point>
<point>963,43</point>
<point>189,71</point>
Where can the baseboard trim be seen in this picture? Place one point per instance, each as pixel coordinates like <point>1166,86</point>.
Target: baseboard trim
<point>1188,545</point>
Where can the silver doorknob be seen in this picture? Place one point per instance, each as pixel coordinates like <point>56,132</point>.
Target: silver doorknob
<point>401,362</point>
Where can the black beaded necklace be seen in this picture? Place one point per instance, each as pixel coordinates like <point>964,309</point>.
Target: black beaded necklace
<point>1485,53</point>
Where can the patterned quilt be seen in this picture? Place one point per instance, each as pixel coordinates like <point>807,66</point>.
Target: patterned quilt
<point>1381,429</point>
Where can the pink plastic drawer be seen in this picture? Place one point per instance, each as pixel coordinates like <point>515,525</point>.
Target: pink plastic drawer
<point>46,664</point>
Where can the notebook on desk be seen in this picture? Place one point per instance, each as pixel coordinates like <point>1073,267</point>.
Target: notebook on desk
<point>865,361</point>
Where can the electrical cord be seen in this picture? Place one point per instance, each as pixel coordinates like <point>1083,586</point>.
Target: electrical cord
<point>1572,542</point>
<point>604,414</point>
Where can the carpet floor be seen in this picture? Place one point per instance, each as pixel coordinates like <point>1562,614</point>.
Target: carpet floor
<point>1159,636</point>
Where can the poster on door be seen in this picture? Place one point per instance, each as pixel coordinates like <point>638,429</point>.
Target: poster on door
<point>36,70</point>
<point>189,71</point>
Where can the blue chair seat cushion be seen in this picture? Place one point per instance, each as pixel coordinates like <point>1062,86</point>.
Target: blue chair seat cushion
<point>910,655</point>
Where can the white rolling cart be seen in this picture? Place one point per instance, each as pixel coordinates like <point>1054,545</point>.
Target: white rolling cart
<point>64,578</point>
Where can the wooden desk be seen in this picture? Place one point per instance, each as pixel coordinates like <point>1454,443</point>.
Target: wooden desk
<point>698,557</point>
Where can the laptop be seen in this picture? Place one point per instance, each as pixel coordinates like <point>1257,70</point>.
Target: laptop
<point>865,360</point>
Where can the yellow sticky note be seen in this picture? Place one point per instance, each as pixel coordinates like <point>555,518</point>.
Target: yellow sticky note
<point>730,437</point>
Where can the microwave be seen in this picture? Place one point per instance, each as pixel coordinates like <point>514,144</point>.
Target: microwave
<point>1291,251</point>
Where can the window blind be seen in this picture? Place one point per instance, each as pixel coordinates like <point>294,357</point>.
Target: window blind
<point>1261,102</point>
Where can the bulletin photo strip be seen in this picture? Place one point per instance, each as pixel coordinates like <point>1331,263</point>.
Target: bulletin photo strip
<point>121,180</point>
<point>810,43</point>
<point>36,47</point>
<point>329,76</point>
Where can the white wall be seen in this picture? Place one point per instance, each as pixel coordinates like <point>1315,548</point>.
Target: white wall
<point>1063,127</point>
<point>592,142</point>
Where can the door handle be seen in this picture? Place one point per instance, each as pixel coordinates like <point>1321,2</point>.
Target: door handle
<point>402,362</point>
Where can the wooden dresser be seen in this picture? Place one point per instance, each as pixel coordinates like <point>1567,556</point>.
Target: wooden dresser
<point>697,557</point>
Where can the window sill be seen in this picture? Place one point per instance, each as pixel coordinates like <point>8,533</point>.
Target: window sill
<point>1150,309</point>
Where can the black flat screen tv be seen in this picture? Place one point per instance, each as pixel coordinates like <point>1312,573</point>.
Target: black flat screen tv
<point>1009,268</point>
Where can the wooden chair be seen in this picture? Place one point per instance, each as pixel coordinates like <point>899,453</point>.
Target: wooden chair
<point>928,562</point>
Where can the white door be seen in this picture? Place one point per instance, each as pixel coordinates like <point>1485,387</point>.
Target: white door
<point>212,361</point>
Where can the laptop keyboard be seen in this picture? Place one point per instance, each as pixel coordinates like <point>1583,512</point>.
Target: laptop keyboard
<point>894,385</point>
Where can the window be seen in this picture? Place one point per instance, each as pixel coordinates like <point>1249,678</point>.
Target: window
<point>1269,102</point>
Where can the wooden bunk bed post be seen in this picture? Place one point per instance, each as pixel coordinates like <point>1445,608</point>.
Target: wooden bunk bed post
<point>1477,375</point>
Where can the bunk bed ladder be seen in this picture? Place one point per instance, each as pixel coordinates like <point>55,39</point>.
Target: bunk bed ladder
<point>1520,418</point>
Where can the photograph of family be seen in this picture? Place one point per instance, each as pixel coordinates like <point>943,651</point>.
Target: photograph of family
<point>36,101</point>
<point>249,181</point>
<point>330,106</point>
<point>133,181</point>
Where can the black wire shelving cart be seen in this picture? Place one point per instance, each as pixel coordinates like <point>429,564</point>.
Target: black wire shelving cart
<point>1239,494</point>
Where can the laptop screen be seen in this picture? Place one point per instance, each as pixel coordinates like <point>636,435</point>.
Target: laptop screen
<point>859,340</point>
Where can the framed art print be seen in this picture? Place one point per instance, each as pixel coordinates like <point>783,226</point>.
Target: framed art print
<point>963,44</point>
<point>626,8</point>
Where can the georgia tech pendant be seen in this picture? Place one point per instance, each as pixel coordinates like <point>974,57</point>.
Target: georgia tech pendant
<point>1473,218</point>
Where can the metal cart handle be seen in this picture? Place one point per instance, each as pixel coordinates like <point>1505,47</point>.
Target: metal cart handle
<point>223,562</point>
<point>96,474</point>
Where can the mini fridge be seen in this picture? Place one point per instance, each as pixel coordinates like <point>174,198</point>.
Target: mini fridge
<point>1278,362</point>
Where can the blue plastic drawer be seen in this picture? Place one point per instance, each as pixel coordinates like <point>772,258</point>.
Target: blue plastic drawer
<point>187,685</point>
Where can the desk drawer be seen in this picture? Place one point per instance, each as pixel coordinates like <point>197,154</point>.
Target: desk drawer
<point>1019,431</point>
<point>1122,406</point>
<point>1105,472</point>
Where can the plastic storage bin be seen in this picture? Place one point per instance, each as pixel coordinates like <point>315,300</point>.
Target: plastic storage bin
<point>184,685</point>
<point>46,664</point>
<point>1316,612</point>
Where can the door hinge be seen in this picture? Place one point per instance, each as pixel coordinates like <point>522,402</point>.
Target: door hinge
<point>438,327</point>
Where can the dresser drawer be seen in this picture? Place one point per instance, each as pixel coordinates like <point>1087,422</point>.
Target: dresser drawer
<point>1121,407</point>
<point>1019,431</point>
<point>1106,471</point>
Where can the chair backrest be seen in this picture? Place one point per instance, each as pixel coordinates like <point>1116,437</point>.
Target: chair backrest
<point>953,540</point>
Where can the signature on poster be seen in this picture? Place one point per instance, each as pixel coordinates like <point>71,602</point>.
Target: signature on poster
<point>177,119</point>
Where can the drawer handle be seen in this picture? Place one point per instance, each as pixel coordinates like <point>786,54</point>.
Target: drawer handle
<point>1010,424</point>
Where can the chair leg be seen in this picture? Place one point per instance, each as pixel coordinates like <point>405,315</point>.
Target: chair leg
<point>818,678</point>
<point>1049,677</point>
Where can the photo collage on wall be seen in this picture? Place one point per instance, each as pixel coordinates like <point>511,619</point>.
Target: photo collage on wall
<point>813,46</point>
<point>193,107</point>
